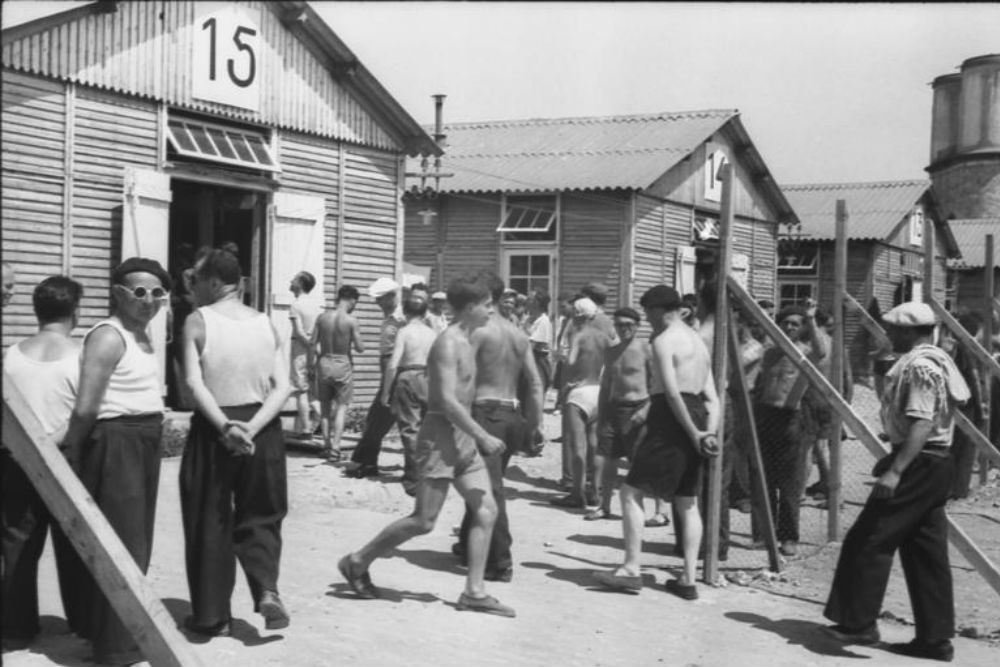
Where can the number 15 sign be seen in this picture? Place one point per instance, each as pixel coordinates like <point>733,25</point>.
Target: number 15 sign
<point>225,64</point>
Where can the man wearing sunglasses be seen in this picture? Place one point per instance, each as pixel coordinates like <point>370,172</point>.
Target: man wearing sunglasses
<point>622,406</point>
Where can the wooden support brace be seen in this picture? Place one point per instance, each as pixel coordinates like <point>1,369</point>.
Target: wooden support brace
<point>867,321</point>
<point>984,566</point>
<point>114,569</point>
<point>986,447</point>
<point>971,344</point>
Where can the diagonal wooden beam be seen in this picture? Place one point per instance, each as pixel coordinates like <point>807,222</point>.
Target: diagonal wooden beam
<point>987,448</point>
<point>100,548</point>
<point>971,344</point>
<point>867,321</point>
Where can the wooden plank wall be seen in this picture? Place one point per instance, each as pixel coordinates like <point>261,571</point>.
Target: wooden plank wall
<point>592,234</point>
<point>421,247</point>
<point>469,236</point>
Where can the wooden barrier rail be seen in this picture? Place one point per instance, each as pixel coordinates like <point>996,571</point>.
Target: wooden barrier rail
<point>100,548</point>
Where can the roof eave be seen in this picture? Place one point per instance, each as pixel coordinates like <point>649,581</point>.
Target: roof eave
<point>53,20</point>
<point>760,174</point>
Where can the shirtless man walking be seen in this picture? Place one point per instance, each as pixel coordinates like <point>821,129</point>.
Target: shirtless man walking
<point>503,361</point>
<point>450,450</point>
<point>681,432</point>
<point>623,405</point>
<point>335,334</point>
<point>405,391</point>
<point>583,378</point>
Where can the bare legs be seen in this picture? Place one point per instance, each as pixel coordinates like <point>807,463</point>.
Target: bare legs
<point>474,487</point>
<point>302,416</point>
<point>633,518</point>
<point>687,508</point>
<point>339,412</point>
<point>605,469</point>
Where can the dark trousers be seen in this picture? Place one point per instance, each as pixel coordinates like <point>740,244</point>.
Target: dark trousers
<point>409,404</point>
<point>913,520</point>
<point>380,419</point>
<point>507,424</point>
<point>965,453</point>
<point>25,523</point>
<point>784,445</point>
<point>232,508</point>
<point>120,467</point>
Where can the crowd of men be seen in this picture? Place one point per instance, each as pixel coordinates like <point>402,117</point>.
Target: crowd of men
<point>464,375</point>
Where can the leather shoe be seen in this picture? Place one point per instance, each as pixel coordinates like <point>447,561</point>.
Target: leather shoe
<point>503,575</point>
<point>918,648</point>
<point>274,612</point>
<point>863,636</point>
<point>362,471</point>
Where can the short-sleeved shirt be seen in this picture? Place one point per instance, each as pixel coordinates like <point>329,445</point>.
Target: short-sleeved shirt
<point>387,336</point>
<point>306,311</point>
<point>916,389</point>
<point>540,333</point>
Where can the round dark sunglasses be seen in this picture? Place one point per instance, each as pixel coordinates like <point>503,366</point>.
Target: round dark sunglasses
<point>140,292</point>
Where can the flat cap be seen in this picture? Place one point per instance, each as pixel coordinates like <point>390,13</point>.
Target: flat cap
<point>595,289</point>
<point>439,296</point>
<point>910,314</point>
<point>381,287</point>
<point>661,296</point>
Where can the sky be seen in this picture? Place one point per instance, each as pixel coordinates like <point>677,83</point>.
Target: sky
<point>827,92</point>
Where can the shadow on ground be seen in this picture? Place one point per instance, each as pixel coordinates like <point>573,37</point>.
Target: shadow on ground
<point>797,632</point>
<point>242,631</point>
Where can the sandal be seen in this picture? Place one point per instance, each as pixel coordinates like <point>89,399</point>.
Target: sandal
<point>332,455</point>
<point>597,514</point>
<point>619,582</point>
<point>658,520</point>
<point>486,604</point>
<point>361,584</point>
<point>683,591</point>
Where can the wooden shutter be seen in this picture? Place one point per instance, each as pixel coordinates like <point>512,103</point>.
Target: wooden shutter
<point>740,269</point>
<point>684,280</point>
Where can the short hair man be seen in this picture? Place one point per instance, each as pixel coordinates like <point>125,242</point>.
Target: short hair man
<point>583,380</point>
<point>681,432</point>
<point>302,313</point>
<point>450,447</point>
<point>539,330</point>
<point>503,365</point>
<point>598,293</point>
<point>906,509</point>
<point>336,334</point>
<point>365,456</point>
<point>786,433</point>
<point>45,369</point>
<point>405,391</point>
<point>623,404</point>
<point>436,315</point>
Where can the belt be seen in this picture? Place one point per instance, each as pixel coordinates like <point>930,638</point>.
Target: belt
<point>630,404</point>
<point>511,403</point>
<point>411,367</point>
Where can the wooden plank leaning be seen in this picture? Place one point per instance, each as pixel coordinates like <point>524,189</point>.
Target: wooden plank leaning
<point>972,345</point>
<point>743,407</point>
<point>986,568</point>
<point>986,448</point>
<point>95,540</point>
<point>867,321</point>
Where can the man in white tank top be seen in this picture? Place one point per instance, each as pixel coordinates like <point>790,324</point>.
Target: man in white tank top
<point>45,370</point>
<point>233,478</point>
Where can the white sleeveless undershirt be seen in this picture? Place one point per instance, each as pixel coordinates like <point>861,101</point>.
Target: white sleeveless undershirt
<point>238,357</point>
<point>134,387</point>
<point>49,387</point>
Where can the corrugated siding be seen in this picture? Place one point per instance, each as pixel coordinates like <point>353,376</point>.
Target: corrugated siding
<point>371,194</point>
<point>592,234</point>
<point>133,50</point>
<point>111,132</point>
<point>311,166</point>
<point>421,246</point>
<point>650,260</point>
<point>757,240</point>
<point>33,180</point>
<point>471,242</point>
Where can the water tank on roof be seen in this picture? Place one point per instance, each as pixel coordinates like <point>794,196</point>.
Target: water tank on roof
<point>979,108</point>
<point>944,122</point>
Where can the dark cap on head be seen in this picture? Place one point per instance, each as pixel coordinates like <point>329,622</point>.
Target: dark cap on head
<point>790,311</point>
<point>141,265</point>
<point>631,313</point>
<point>661,296</point>
<point>596,292</point>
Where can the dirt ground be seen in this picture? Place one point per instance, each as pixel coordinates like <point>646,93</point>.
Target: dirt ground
<point>563,618</point>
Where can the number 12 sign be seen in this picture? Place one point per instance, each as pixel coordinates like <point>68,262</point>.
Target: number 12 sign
<point>226,65</point>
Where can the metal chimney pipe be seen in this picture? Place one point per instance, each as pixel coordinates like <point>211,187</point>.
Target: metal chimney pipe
<point>439,136</point>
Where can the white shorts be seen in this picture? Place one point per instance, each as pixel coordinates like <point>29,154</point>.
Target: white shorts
<point>585,397</point>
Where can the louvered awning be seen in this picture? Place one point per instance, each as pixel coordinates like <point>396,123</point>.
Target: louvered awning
<point>218,143</point>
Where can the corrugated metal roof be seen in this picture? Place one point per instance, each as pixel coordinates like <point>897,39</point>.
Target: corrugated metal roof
<point>873,209</point>
<point>572,153</point>
<point>971,238</point>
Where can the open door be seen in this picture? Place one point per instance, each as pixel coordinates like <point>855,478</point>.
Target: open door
<point>296,245</point>
<point>146,233</point>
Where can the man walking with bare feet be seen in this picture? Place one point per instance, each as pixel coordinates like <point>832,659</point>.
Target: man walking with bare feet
<point>623,405</point>
<point>336,334</point>
<point>681,432</point>
<point>406,386</point>
<point>450,450</point>
<point>583,385</point>
<point>503,362</point>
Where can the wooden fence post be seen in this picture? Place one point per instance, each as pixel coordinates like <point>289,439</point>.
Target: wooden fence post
<point>837,361</point>
<point>100,548</point>
<point>988,299</point>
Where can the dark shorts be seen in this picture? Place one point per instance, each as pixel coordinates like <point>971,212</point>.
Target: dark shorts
<point>666,463</point>
<point>502,421</point>
<point>622,428</point>
<point>445,451</point>
<point>335,378</point>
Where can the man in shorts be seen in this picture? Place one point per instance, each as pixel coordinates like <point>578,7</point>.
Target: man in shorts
<point>622,407</point>
<point>583,384</point>
<point>336,333</point>
<point>504,364</point>
<point>302,313</point>
<point>450,450</point>
<point>681,432</point>
<point>405,391</point>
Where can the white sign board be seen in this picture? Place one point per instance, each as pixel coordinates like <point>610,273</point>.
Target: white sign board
<point>226,65</point>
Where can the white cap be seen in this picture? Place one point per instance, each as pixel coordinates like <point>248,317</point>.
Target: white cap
<point>381,287</point>
<point>584,308</point>
<point>439,296</point>
<point>911,314</point>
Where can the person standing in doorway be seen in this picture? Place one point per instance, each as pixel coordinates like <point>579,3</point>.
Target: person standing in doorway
<point>303,313</point>
<point>233,477</point>
<point>906,508</point>
<point>114,436</point>
<point>365,456</point>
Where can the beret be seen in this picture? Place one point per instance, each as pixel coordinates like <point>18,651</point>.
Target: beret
<point>381,287</point>
<point>911,314</point>
<point>661,296</point>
